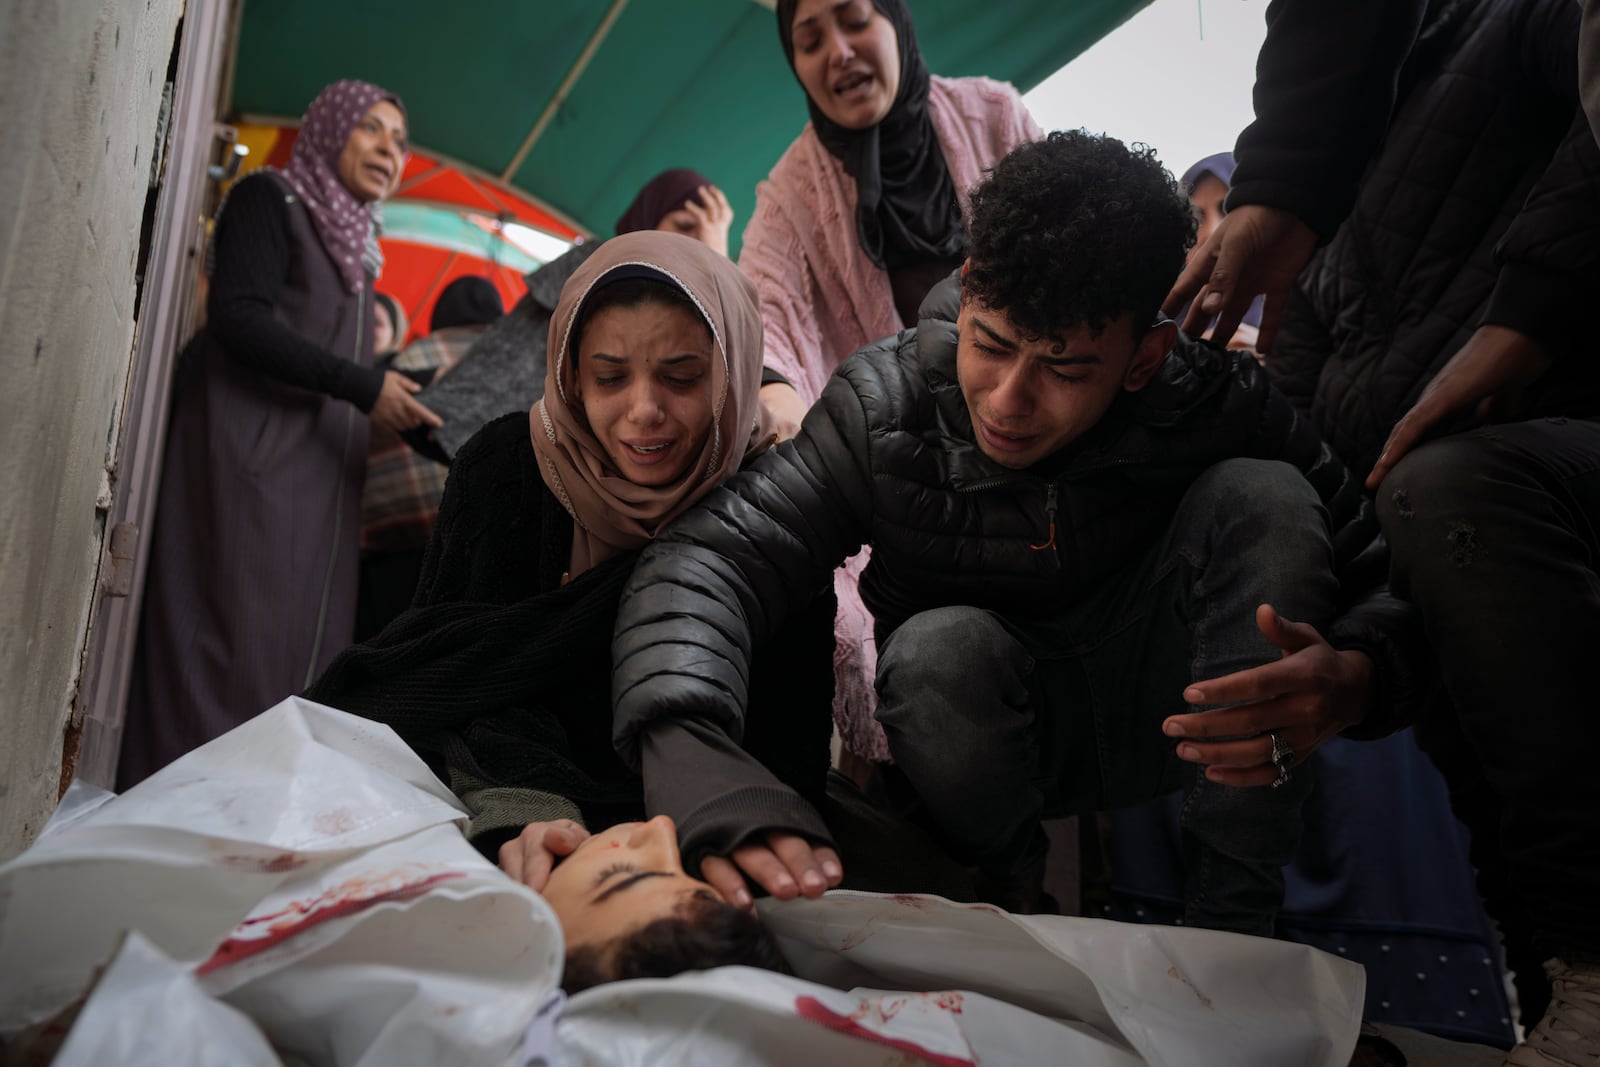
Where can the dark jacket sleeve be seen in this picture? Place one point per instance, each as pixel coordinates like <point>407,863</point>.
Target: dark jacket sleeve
<point>252,257</point>
<point>718,794</point>
<point>721,794</point>
<point>1326,80</point>
<point>1589,64</point>
<point>727,573</point>
<point>1389,630</point>
<point>1549,256</point>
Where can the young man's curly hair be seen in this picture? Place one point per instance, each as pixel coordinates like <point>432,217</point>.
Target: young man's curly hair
<point>1077,229</point>
<point>703,933</point>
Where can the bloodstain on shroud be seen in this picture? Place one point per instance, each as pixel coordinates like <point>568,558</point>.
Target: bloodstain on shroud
<point>254,936</point>
<point>880,1010</point>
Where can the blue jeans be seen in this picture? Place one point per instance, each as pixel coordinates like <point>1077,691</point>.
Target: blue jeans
<point>999,721</point>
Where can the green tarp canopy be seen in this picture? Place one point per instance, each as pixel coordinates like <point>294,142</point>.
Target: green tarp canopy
<point>579,102</point>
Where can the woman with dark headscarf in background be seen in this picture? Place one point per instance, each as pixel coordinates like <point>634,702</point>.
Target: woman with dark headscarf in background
<point>681,201</point>
<point>252,583</point>
<point>861,216</point>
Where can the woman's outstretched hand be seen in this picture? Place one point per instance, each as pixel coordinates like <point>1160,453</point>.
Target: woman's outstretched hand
<point>531,855</point>
<point>785,865</point>
<point>398,409</point>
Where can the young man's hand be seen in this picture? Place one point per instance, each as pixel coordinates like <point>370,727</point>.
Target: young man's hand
<point>1254,249</point>
<point>530,856</point>
<point>1494,364</point>
<point>1309,695</point>
<point>785,865</point>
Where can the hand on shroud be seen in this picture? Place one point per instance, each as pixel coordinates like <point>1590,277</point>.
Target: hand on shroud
<point>785,865</point>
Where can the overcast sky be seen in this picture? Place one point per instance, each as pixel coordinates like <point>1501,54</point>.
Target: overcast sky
<point>1176,76</point>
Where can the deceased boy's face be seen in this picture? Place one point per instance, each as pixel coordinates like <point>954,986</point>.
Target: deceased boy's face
<point>619,880</point>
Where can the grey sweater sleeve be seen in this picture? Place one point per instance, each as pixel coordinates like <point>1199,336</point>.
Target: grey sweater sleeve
<point>500,812</point>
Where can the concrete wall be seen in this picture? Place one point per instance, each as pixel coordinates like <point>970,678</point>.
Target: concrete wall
<point>81,85</point>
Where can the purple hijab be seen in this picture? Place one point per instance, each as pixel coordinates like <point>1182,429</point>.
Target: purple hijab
<point>343,222</point>
<point>661,196</point>
<point>1219,166</point>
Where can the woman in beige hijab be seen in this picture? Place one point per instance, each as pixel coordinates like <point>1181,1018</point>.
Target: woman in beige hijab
<point>651,399</point>
<point>500,673</point>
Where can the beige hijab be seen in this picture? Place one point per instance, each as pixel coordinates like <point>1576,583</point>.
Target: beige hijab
<point>614,515</point>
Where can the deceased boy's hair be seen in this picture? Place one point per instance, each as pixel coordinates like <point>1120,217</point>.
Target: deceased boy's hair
<point>704,933</point>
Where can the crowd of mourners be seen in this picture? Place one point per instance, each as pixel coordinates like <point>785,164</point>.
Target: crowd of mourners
<point>981,490</point>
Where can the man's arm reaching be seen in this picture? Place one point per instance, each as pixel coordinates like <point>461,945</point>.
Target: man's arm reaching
<point>704,595</point>
<point>727,573</point>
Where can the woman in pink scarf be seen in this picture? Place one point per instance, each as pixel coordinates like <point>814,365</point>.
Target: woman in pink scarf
<point>864,213</point>
<point>252,581</point>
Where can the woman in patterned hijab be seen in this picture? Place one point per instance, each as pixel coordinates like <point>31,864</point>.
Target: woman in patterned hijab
<point>252,581</point>
<point>340,175</point>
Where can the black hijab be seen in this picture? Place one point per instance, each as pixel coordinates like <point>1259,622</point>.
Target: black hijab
<point>906,210</point>
<point>468,301</point>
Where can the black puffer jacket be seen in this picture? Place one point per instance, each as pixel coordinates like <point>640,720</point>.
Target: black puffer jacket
<point>887,458</point>
<point>1439,150</point>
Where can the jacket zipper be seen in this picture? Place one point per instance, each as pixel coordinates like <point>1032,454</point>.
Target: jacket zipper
<point>1050,519</point>
<point>338,505</point>
<point>989,483</point>
<point>1049,504</point>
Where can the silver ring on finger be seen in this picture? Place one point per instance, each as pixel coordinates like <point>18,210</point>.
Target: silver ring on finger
<point>1282,754</point>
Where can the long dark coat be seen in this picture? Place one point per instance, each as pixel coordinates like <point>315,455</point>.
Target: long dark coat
<point>251,589</point>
